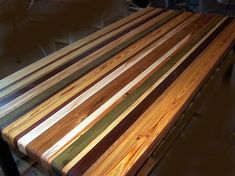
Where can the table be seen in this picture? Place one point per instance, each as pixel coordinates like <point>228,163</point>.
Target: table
<point>102,105</point>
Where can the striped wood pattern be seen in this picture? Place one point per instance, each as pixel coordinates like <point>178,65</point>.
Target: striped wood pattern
<point>102,104</point>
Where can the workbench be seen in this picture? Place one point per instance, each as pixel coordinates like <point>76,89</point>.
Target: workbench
<point>103,104</point>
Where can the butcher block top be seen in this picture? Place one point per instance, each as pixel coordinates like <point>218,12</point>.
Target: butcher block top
<point>101,105</point>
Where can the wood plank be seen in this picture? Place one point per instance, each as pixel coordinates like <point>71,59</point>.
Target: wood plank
<point>172,135</point>
<point>135,145</point>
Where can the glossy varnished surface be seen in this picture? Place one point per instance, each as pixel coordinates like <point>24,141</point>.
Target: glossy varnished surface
<point>102,105</point>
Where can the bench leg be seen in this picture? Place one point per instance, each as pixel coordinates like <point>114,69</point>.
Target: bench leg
<point>228,75</point>
<point>7,161</point>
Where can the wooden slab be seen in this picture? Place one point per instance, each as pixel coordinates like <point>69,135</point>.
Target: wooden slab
<point>99,107</point>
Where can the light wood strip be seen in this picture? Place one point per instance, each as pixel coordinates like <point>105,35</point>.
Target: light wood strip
<point>57,100</point>
<point>37,65</point>
<point>32,77</point>
<point>138,141</point>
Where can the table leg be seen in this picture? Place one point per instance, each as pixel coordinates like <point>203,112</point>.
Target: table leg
<point>228,75</point>
<point>7,161</point>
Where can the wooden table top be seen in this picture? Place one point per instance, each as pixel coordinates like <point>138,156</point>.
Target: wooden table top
<point>101,105</point>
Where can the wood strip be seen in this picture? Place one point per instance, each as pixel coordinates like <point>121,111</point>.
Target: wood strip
<point>135,145</point>
<point>77,148</point>
<point>63,52</point>
<point>32,117</point>
<point>72,56</point>
<point>106,53</point>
